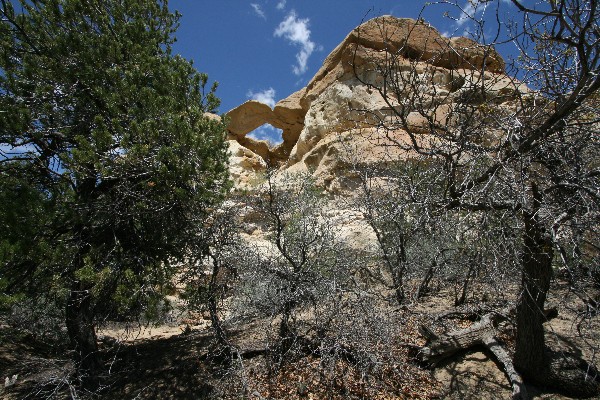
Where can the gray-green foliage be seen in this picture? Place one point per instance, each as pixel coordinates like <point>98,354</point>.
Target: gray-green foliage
<point>516,171</point>
<point>300,267</point>
<point>420,240</point>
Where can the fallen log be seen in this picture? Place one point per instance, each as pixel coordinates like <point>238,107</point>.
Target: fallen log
<point>516,382</point>
<point>447,344</point>
<point>481,333</point>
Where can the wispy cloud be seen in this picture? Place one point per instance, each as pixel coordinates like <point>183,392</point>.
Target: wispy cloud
<point>475,9</point>
<point>281,5</point>
<point>266,96</point>
<point>296,31</point>
<point>258,10</point>
<point>469,11</point>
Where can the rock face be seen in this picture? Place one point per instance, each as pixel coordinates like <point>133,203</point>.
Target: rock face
<point>332,127</point>
<point>337,113</point>
<point>245,166</point>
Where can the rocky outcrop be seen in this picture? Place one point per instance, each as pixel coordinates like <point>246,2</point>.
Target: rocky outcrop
<point>245,166</point>
<point>377,38</point>
<point>340,108</point>
<point>249,116</point>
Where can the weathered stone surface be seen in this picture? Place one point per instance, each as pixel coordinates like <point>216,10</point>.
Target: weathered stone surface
<point>414,40</point>
<point>334,158</point>
<point>290,115</point>
<point>339,108</point>
<point>248,116</point>
<point>465,53</point>
<point>245,166</point>
<point>495,86</point>
<point>259,147</point>
<point>212,116</point>
<point>341,101</point>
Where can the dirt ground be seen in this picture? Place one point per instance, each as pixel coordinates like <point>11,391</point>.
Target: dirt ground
<point>176,361</point>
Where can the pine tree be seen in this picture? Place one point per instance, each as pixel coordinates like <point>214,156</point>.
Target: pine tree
<point>107,160</point>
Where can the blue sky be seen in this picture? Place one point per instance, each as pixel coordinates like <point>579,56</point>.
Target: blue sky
<point>268,49</point>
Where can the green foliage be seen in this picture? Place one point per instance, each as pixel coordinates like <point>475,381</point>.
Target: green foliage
<point>107,161</point>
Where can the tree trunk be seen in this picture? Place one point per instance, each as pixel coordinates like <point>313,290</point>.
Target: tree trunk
<point>212,308</point>
<point>530,351</point>
<point>424,285</point>
<point>397,264</point>
<point>79,312</point>
<point>565,372</point>
<point>465,286</point>
<point>287,332</point>
<point>398,282</point>
<point>82,333</point>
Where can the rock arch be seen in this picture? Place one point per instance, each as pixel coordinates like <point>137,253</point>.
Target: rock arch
<point>288,115</point>
<point>366,44</point>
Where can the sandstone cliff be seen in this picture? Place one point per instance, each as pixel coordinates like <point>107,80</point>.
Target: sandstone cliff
<point>341,109</point>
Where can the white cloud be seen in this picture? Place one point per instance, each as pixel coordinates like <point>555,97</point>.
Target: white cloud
<point>296,31</point>
<point>281,5</point>
<point>475,9</point>
<point>266,96</point>
<point>258,10</point>
<point>469,11</point>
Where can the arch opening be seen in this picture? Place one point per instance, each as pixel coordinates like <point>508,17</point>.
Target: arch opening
<point>268,133</point>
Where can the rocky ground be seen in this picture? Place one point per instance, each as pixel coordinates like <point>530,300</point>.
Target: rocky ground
<point>176,360</point>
